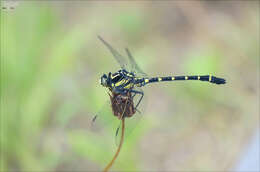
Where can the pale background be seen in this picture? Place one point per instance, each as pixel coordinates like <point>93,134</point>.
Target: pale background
<point>51,62</point>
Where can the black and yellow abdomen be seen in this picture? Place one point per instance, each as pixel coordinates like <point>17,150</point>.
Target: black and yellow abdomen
<point>208,78</point>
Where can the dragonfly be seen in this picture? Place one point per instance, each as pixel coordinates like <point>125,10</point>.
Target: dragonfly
<point>130,78</point>
<point>125,88</point>
<point>125,80</point>
<point>124,102</point>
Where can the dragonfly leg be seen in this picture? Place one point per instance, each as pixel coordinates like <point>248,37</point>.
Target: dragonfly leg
<point>134,95</point>
<point>140,93</point>
<point>136,107</point>
<point>120,90</point>
<point>135,92</point>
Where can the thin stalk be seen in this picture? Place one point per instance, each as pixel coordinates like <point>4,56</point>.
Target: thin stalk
<point>119,147</point>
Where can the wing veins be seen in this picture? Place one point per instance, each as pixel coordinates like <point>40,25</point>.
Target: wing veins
<point>119,58</point>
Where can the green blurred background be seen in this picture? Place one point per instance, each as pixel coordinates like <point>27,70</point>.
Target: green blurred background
<point>51,62</point>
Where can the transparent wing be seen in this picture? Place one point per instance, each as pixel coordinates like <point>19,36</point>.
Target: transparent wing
<point>104,121</point>
<point>101,135</point>
<point>105,124</point>
<point>130,125</point>
<point>136,69</point>
<point>119,58</point>
<point>128,64</point>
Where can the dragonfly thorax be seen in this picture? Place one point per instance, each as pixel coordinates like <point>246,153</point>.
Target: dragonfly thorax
<point>119,80</point>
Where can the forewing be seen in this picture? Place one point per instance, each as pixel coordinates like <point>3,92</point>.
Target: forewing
<point>128,64</point>
<point>101,135</point>
<point>134,66</point>
<point>119,58</point>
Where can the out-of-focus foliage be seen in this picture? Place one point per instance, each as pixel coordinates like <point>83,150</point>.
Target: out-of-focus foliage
<point>51,62</point>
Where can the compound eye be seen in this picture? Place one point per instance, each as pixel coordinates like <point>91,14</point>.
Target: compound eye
<point>104,76</point>
<point>103,80</point>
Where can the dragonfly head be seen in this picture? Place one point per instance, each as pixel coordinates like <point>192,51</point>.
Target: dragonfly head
<point>105,80</point>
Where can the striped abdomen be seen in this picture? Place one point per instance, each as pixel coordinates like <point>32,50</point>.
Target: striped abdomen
<point>208,78</point>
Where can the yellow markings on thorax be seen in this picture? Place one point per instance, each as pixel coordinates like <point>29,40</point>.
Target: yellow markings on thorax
<point>130,75</point>
<point>128,86</point>
<point>115,75</point>
<point>159,79</point>
<point>186,78</point>
<point>146,80</point>
<point>173,78</point>
<point>198,77</point>
<point>120,83</point>
<point>210,78</point>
